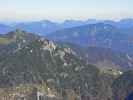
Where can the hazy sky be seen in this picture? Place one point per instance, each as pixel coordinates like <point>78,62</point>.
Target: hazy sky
<point>65,9</point>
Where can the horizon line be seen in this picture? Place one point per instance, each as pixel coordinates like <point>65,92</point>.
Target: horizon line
<point>65,19</point>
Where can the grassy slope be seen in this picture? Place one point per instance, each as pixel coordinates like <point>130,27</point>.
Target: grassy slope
<point>5,41</point>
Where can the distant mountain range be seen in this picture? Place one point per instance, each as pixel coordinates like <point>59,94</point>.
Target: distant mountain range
<point>45,27</point>
<point>97,35</point>
<point>5,28</point>
<point>116,35</point>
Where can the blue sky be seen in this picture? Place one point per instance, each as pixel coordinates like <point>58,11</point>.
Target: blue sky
<point>65,9</point>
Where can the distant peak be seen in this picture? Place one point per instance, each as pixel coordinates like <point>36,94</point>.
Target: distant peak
<point>47,21</point>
